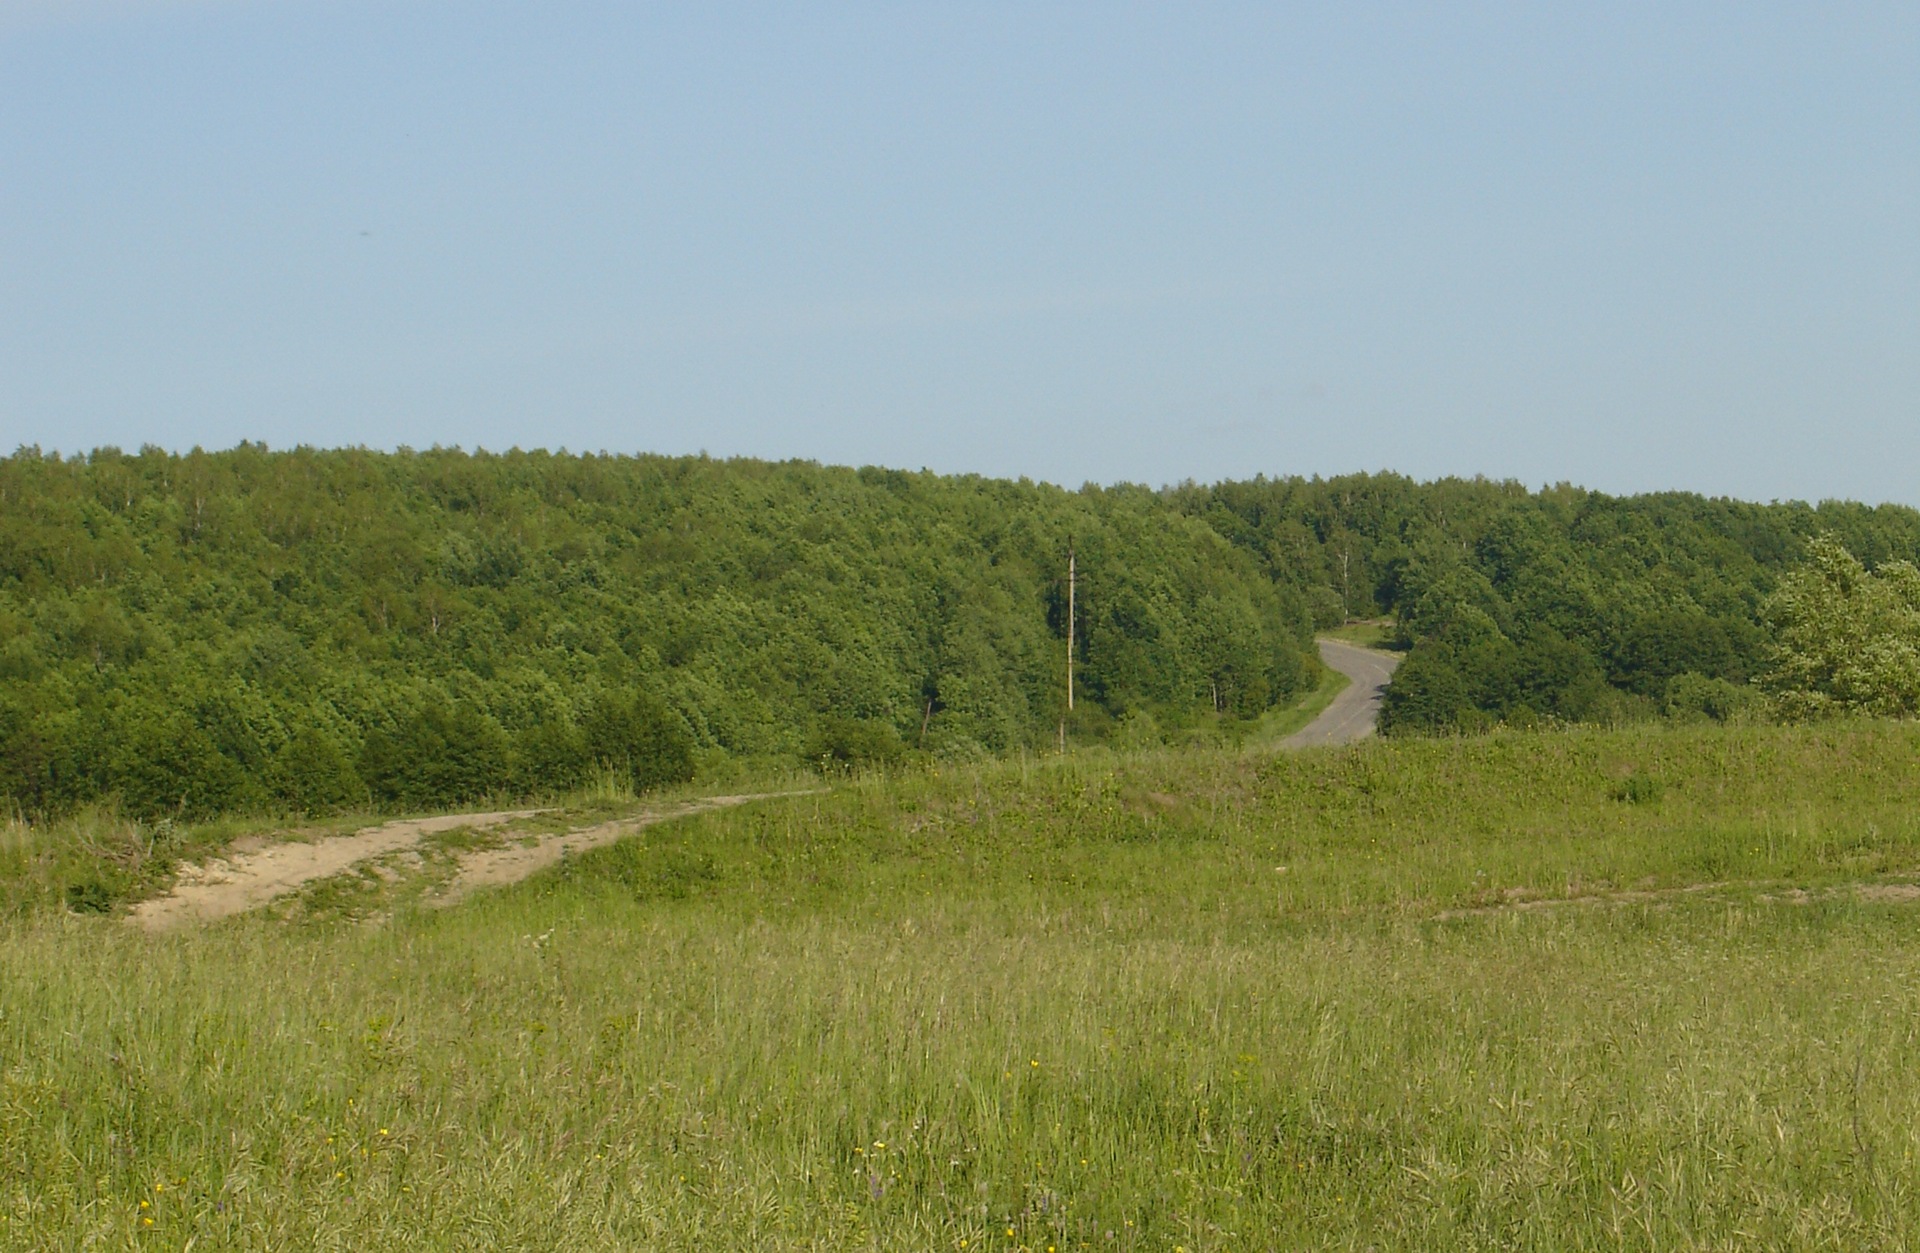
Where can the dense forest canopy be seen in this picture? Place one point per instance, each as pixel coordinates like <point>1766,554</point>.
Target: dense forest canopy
<point>188,634</point>
<point>309,629</point>
<point>1560,604</point>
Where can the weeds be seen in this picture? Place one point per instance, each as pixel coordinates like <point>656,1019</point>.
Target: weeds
<point>1196,1000</point>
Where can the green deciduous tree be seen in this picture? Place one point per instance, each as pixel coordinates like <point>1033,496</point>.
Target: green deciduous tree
<point>1847,639</point>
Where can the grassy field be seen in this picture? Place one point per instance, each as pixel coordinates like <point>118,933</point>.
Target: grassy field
<point>1377,633</point>
<point>1656,988</point>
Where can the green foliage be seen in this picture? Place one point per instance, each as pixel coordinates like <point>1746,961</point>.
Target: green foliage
<point>313,773</point>
<point>638,739</point>
<point>437,752</point>
<point>1695,698</point>
<point>168,766</point>
<point>1638,788</point>
<point>1570,605</point>
<point>309,630</point>
<point>89,897</point>
<point>1848,639</point>
<point>841,743</point>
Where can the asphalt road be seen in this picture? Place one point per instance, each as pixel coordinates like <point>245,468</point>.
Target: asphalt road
<point>1352,714</point>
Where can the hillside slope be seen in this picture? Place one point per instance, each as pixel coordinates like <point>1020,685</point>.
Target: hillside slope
<point>248,628</point>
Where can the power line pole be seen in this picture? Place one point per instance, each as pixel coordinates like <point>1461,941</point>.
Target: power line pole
<point>1073,579</point>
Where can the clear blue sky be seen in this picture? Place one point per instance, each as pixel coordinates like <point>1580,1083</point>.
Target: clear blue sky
<point>1636,246</point>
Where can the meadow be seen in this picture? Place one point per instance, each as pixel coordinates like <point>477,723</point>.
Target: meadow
<point>1656,987</point>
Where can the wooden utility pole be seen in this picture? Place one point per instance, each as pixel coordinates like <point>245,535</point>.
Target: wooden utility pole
<point>1073,578</point>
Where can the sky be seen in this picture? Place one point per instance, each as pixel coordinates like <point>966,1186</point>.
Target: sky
<point>1632,246</point>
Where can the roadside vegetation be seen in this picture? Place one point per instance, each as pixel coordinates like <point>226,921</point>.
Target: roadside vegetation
<point>1651,987</point>
<point>1523,608</point>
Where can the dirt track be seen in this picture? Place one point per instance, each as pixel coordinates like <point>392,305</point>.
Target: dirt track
<point>245,880</point>
<point>1898,890</point>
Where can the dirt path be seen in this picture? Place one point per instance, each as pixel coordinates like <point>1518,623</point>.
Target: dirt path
<point>1888,890</point>
<point>243,880</point>
<point>247,879</point>
<point>489,867</point>
<point>1354,712</point>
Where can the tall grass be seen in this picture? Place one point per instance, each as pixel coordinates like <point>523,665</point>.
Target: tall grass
<point>1185,1000</point>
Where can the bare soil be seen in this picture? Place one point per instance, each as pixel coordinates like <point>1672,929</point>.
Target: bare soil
<point>253,874</point>
<point>248,877</point>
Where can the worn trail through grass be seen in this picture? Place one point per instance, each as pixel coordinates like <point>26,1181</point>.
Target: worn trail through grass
<point>249,877</point>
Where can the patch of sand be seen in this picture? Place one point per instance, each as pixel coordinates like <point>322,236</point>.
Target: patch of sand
<point>254,872</point>
<point>249,877</point>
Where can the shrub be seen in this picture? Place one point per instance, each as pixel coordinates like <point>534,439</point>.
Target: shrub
<point>635,735</point>
<point>313,773</point>
<point>841,743</point>
<point>438,754</point>
<point>168,767</point>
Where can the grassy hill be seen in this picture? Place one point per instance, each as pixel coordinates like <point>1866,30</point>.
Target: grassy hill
<point>1641,988</point>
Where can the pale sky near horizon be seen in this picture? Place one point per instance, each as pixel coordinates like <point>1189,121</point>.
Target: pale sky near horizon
<point>1634,246</point>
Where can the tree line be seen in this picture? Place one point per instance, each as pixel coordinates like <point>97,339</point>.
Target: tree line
<point>313,629</point>
<point>1568,605</point>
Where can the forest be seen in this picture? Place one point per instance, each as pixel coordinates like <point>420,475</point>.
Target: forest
<point>184,635</point>
<point>1565,605</point>
<point>308,630</point>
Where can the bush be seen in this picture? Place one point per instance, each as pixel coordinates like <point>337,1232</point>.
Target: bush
<point>1137,729</point>
<point>169,768</point>
<point>637,737</point>
<point>841,743</point>
<point>438,754</point>
<point>1697,698</point>
<point>1427,695</point>
<point>89,897</point>
<point>311,772</point>
<point>1638,788</point>
<point>549,756</point>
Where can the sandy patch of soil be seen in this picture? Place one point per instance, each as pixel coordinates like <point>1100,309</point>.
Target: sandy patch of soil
<point>1897,892</point>
<point>252,873</point>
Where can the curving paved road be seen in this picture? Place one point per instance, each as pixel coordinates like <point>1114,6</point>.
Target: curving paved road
<point>1352,714</point>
